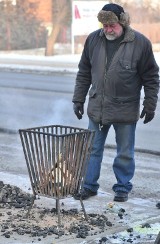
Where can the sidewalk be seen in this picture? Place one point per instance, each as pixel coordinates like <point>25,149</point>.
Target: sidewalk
<point>139,224</point>
<point>35,61</point>
<point>22,62</point>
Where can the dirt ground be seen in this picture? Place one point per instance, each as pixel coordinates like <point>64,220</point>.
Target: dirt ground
<point>23,215</point>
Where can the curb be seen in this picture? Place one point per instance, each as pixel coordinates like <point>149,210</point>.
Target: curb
<point>45,70</point>
<point>139,150</point>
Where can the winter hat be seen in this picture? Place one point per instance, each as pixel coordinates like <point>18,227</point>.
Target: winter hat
<point>113,13</point>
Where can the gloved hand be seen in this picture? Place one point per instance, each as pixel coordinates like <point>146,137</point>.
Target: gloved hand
<point>149,115</point>
<point>78,109</point>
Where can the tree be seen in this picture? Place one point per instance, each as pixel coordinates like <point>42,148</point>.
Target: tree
<point>61,17</point>
<point>19,27</point>
<point>145,11</point>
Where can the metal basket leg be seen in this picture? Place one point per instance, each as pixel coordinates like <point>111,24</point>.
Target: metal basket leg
<point>85,215</point>
<point>58,211</point>
<point>31,206</point>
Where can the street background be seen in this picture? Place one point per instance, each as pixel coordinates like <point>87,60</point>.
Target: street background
<point>61,72</point>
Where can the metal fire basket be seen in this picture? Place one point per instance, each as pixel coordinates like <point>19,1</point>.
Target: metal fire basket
<point>56,158</point>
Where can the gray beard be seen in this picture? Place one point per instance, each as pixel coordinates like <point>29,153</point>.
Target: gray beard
<point>110,37</point>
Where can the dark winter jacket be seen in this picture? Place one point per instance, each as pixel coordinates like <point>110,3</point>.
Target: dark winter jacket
<point>114,95</point>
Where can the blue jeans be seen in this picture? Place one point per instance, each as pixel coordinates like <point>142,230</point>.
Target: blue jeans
<point>124,163</point>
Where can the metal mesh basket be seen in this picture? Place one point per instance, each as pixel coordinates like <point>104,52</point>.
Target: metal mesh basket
<point>56,158</point>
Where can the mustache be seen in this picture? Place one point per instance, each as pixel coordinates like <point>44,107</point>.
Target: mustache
<point>109,33</point>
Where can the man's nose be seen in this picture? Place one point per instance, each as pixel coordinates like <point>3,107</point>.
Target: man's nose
<point>108,29</point>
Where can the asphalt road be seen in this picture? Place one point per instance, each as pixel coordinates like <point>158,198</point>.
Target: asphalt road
<point>29,100</point>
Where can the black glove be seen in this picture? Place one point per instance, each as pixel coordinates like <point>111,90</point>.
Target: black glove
<point>149,115</point>
<point>78,109</point>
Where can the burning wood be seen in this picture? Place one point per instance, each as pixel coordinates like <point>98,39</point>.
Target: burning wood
<point>58,180</point>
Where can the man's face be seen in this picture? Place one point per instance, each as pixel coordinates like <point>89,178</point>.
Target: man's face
<point>112,31</point>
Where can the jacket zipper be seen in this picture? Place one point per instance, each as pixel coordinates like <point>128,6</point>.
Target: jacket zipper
<point>105,75</point>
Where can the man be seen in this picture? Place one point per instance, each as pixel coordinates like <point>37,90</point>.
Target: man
<point>116,63</point>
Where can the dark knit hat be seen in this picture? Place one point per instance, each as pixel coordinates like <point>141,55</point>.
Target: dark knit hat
<point>113,13</point>
<point>115,8</point>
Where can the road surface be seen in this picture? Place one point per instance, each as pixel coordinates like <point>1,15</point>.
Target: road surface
<point>29,100</point>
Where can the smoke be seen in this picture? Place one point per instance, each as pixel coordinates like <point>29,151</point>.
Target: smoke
<point>21,109</point>
<point>61,113</point>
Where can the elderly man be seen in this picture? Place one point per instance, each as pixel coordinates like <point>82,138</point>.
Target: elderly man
<point>116,63</point>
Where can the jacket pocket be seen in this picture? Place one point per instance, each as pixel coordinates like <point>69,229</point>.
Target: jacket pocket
<point>127,65</point>
<point>126,79</point>
<point>121,111</point>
